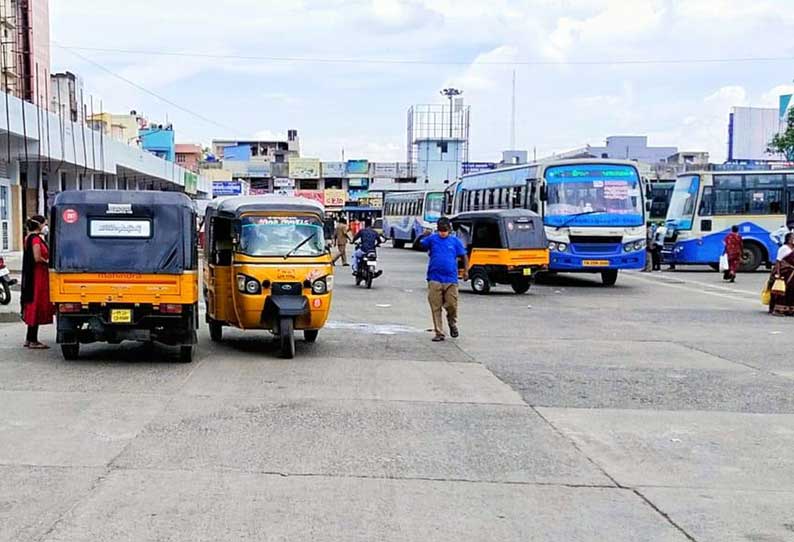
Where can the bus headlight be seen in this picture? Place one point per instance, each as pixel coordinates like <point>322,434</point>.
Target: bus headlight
<point>562,247</point>
<point>552,245</point>
<point>639,245</point>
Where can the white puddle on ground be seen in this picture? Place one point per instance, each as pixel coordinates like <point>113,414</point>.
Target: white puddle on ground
<point>375,329</point>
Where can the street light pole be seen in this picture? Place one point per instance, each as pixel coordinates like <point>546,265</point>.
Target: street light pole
<point>450,93</point>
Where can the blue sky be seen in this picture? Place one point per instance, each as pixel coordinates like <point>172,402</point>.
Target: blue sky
<point>361,107</point>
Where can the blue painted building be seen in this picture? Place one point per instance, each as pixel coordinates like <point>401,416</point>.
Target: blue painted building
<point>159,140</point>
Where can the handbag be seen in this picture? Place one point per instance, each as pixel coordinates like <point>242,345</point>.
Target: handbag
<point>779,286</point>
<point>724,262</point>
<point>766,296</point>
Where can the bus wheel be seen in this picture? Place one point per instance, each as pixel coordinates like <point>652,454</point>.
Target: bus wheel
<point>521,286</point>
<point>609,277</point>
<point>397,243</point>
<point>751,257</point>
<point>715,266</point>
<point>310,335</point>
<point>286,336</point>
<point>479,282</point>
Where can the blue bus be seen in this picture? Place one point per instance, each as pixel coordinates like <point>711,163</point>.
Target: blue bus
<point>706,204</point>
<point>593,210</point>
<point>406,215</point>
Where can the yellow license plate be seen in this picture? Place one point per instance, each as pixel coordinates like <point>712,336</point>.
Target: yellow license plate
<point>595,263</point>
<point>527,271</point>
<point>121,316</point>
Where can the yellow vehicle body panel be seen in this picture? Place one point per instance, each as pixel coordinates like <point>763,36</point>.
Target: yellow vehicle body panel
<point>509,258</point>
<point>226,303</point>
<point>141,288</point>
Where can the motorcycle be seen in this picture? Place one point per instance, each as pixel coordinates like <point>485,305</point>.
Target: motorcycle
<point>367,269</point>
<point>6,282</point>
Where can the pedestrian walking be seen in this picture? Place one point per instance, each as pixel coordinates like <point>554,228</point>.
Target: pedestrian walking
<point>733,249</point>
<point>781,281</point>
<point>341,239</point>
<point>37,310</point>
<point>444,251</point>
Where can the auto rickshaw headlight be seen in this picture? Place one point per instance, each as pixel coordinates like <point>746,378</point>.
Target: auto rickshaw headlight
<point>319,287</point>
<point>248,285</point>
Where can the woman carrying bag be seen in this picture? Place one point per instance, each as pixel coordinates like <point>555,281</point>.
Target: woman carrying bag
<point>781,281</point>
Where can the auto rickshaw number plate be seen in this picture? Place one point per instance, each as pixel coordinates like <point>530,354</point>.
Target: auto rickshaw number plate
<point>121,316</point>
<point>527,271</point>
<point>595,263</point>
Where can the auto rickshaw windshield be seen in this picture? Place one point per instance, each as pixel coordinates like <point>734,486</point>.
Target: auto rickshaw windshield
<point>281,235</point>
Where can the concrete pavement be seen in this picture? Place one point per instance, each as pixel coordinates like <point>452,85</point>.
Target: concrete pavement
<point>661,409</point>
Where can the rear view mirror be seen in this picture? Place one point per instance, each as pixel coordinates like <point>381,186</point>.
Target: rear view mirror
<point>648,205</point>
<point>543,193</point>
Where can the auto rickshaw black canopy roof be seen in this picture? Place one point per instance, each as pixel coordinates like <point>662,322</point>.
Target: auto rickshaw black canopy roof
<point>506,228</point>
<point>237,206</point>
<point>135,197</point>
<point>120,231</point>
<point>494,214</point>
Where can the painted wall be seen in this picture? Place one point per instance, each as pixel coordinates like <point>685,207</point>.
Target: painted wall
<point>158,141</point>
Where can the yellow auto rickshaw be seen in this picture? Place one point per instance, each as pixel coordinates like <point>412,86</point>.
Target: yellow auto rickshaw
<point>124,266</point>
<point>267,267</point>
<point>504,247</point>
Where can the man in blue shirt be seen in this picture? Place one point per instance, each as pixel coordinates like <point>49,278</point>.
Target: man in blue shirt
<point>444,251</point>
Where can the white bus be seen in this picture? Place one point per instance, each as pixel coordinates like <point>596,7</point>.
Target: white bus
<point>593,210</point>
<point>705,204</point>
<point>406,215</point>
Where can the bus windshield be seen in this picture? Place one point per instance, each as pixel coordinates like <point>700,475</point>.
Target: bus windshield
<point>279,235</point>
<point>682,204</point>
<point>434,206</point>
<point>602,195</point>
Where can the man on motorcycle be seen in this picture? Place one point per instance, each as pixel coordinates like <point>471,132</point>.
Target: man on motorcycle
<point>369,240</point>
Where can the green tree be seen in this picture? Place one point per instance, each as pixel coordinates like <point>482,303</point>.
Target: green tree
<point>784,141</point>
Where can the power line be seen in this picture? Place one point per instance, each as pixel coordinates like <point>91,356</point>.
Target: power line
<point>326,60</point>
<point>146,90</point>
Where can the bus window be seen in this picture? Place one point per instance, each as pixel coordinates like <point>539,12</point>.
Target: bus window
<point>707,202</point>
<point>490,198</point>
<point>763,194</point>
<point>477,200</point>
<point>728,195</point>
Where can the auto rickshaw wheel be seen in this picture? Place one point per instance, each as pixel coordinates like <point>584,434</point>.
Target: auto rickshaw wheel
<point>286,335</point>
<point>216,331</point>
<point>479,282</point>
<point>186,353</point>
<point>5,293</point>
<point>310,335</point>
<point>521,285</point>
<point>70,352</point>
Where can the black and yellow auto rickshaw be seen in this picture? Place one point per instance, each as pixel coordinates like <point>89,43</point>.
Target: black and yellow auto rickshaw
<point>504,247</point>
<point>124,266</point>
<point>267,267</point>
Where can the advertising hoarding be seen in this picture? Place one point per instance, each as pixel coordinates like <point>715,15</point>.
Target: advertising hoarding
<point>334,197</point>
<point>227,188</point>
<point>385,169</point>
<point>333,170</point>
<point>314,195</point>
<point>304,168</point>
<point>357,168</point>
